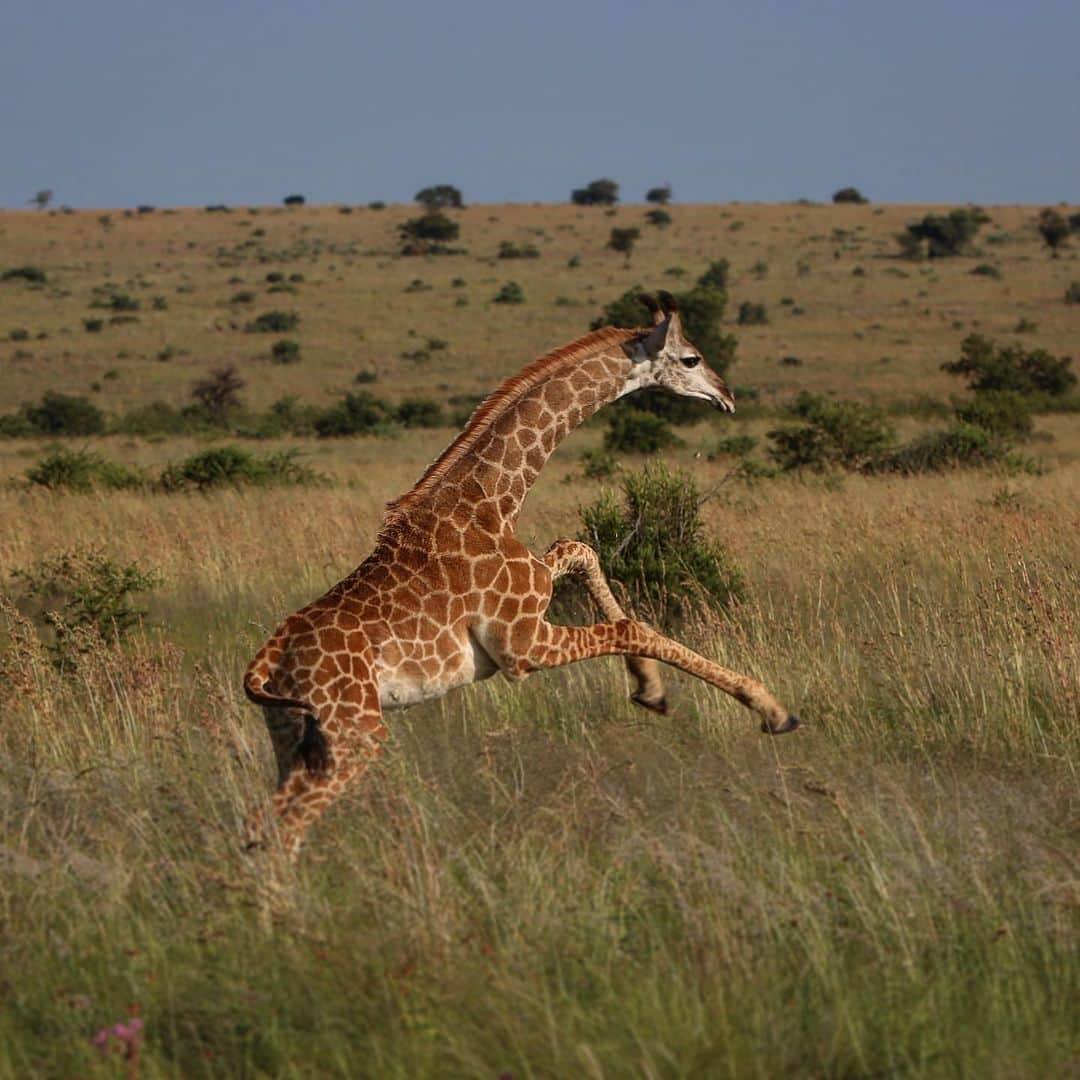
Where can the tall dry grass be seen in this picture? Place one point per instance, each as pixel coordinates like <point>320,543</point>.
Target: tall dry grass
<point>540,879</point>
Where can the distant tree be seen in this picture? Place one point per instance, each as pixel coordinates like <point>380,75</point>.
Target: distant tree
<point>428,234</point>
<point>623,240</point>
<point>219,393</point>
<point>659,195</point>
<point>658,217</point>
<point>439,197</point>
<point>716,276</point>
<point>850,195</point>
<point>294,200</point>
<point>596,193</point>
<point>942,234</point>
<point>1053,228</point>
<point>42,198</point>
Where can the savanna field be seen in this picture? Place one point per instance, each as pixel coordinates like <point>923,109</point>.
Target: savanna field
<point>537,880</point>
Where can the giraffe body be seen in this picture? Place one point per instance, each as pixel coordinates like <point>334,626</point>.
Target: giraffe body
<point>450,596</point>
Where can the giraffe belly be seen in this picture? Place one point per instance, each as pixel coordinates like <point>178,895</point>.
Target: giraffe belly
<point>410,682</point>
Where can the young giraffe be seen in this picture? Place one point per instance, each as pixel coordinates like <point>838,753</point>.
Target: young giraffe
<point>449,596</point>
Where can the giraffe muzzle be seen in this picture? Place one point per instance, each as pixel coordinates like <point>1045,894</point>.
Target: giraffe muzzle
<point>790,724</point>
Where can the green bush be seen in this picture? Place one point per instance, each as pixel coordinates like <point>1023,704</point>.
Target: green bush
<point>961,446</point>
<point>736,445</point>
<point>631,431</point>
<point>158,418</point>
<point>32,274</point>
<point>419,412</point>
<point>294,200</point>
<point>230,466</point>
<point>1072,293</point>
<point>658,217</point>
<point>623,240</point>
<point>81,471</point>
<point>285,351</point>
<point>358,413</point>
<point>440,196</point>
<point>987,270</point>
<point>81,593</point>
<point>987,366</point>
<point>93,326</point>
<point>1053,228</point>
<point>510,293</point>
<point>850,195</point>
<point>834,434</point>
<point>273,322</point>
<point>660,195</point>
<point>751,314</point>
<point>596,193</point>
<point>716,275</point>
<point>428,234</point>
<point>652,542</point>
<point>941,235</point>
<point>509,250</point>
<point>65,414</point>
<point>1004,413</point>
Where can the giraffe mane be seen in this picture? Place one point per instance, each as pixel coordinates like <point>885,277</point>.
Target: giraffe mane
<point>497,402</point>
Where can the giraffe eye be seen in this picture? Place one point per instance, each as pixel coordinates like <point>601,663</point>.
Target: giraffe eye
<point>690,361</point>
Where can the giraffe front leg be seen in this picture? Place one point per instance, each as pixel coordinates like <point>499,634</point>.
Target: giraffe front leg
<point>572,556</point>
<point>555,646</point>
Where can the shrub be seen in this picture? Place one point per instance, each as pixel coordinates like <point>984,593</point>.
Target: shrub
<point>440,196</point>
<point>157,418</point>
<point>273,322</point>
<point>987,270</point>
<point>1072,293</point>
<point>32,274</point>
<point>736,445</point>
<point>81,471</point>
<point>65,414</point>
<point>1003,413</point>
<point>942,235</point>
<point>987,366</point>
<point>229,466</point>
<point>113,300</point>
<point>510,293</point>
<point>428,234</point>
<point>962,446</point>
<point>850,195</point>
<point>599,464</point>
<point>80,594</point>
<point>716,276</point>
<point>659,195</point>
<point>652,542</point>
<point>623,240</point>
<point>509,250</point>
<point>751,314</point>
<point>596,193</point>
<point>376,204</point>
<point>285,351</point>
<point>93,326</point>
<point>419,412</point>
<point>294,200</point>
<point>632,431</point>
<point>834,434</point>
<point>219,393</point>
<point>358,413</point>
<point>658,217</point>
<point>19,333</point>
<point>244,297</point>
<point>1053,228</point>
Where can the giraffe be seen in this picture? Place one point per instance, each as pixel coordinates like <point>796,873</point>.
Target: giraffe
<point>450,596</point>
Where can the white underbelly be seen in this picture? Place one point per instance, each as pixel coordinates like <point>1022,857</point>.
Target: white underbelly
<point>398,690</point>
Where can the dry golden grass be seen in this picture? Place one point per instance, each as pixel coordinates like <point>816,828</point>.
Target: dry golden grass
<point>881,336</point>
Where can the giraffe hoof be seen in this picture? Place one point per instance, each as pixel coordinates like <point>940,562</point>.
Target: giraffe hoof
<point>790,724</point>
<point>659,706</point>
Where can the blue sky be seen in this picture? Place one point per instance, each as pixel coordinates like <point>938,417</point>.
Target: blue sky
<point>119,102</point>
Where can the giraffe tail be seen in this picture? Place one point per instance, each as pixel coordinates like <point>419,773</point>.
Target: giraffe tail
<point>256,681</point>
<point>312,749</point>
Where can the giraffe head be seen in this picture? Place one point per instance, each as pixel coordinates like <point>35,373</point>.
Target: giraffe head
<point>665,358</point>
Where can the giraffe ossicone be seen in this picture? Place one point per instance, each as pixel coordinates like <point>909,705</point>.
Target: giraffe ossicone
<point>450,596</point>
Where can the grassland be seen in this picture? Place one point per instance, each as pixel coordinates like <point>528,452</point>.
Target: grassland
<point>541,880</point>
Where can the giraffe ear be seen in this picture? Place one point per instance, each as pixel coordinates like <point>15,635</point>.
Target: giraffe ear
<point>654,309</point>
<point>654,341</point>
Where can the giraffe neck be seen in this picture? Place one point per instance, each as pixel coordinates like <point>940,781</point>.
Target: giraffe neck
<point>489,468</point>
